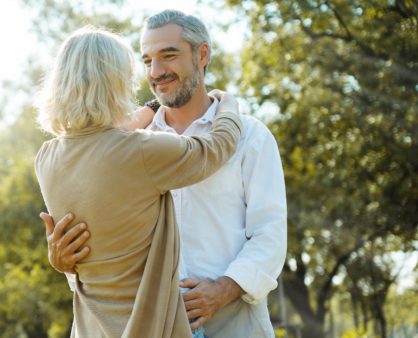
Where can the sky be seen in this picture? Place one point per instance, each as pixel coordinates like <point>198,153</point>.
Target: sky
<point>16,41</point>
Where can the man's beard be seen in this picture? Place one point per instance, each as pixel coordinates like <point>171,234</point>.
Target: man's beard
<point>184,93</point>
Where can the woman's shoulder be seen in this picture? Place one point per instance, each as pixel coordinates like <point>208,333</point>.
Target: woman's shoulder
<point>43,152</point>
<point>44,147</point>
<point>121,141</point>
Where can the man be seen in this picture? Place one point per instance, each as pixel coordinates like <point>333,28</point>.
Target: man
<point>232,225</point>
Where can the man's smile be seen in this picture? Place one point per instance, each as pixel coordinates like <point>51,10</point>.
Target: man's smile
<point>164,81</point>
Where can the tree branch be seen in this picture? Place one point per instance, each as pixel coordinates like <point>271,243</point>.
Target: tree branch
<point>325,291</point>
<point>347,38</point>
<point>400,9</point>
<point>340,20</point>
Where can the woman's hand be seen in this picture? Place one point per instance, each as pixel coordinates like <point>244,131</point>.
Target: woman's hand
<point>227,102</point>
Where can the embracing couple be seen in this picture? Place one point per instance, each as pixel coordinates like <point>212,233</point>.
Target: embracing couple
<point>119,183</point>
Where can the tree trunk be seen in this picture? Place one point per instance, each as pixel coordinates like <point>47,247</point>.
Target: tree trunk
<point>355,310</point>
<point>380,316</point>
<point>297,292</point>
<point>331,333</point>
<point>383,328</point>
<point>37,332</point>
<point>355,305</point>
<point>365,313</point>
<point>313,330</point>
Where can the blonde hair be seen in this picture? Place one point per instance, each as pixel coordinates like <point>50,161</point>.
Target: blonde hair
<point>90,85</point>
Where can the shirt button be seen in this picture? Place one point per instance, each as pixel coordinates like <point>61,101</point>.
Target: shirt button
<point>174,194</point>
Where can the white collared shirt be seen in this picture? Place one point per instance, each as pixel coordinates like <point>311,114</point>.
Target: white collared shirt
<point>234,222</point>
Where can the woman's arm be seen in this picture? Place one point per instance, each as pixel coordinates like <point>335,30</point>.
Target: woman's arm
<point>172,161</point>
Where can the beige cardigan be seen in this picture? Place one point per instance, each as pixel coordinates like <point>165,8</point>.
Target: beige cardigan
<point>118,182</point>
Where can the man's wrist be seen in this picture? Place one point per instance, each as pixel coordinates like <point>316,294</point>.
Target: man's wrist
<point>230,289</point>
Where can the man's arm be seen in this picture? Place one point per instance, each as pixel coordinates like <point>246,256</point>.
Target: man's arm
<point>63,247</point>
<point>253,273</point>
<point>262,257</point>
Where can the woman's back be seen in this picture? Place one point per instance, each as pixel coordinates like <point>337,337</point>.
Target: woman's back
<point>101,177</point>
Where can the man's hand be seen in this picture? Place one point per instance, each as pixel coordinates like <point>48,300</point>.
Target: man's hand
<point>206,298</point>
<point>63,246</point>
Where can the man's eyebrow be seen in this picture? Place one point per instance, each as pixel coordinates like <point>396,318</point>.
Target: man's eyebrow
<point>164,50</point>
<point>169,49</point>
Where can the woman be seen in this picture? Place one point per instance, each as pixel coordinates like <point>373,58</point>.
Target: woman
<point>118,182</point>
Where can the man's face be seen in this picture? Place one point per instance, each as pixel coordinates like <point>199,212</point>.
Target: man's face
<point>172,69</point>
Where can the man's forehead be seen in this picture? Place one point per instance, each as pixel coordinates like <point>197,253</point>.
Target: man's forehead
<point>160,38</point>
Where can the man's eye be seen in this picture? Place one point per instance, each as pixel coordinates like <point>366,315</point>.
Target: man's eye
<point>169,56</point>
<point>147,62</point>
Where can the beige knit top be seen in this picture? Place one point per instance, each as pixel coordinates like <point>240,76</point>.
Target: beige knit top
<point>118,183</point>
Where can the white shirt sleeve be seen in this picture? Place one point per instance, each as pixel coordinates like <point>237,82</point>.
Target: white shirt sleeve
<point>71,280</point>
<point>262,257</point>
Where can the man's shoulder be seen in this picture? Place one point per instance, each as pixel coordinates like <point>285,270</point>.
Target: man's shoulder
<point>254,131</point>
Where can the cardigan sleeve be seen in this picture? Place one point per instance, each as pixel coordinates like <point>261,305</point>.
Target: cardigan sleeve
<point>173,161</point>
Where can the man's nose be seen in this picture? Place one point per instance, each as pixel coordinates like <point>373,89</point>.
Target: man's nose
<point>156,69</point>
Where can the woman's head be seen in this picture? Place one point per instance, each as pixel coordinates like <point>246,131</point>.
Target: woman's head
<point>90,83</point>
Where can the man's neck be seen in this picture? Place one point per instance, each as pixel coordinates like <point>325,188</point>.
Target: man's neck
<point>180,118</point>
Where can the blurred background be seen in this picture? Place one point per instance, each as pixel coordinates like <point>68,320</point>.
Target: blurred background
<point>337,84</point>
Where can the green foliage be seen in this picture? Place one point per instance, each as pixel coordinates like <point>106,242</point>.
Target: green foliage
<point>220,70</point>
<point>33,297</point>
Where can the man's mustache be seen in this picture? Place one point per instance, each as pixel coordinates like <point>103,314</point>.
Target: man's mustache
<point>164,77</point>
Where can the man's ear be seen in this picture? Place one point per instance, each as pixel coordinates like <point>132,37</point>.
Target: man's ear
<point>204,54</point>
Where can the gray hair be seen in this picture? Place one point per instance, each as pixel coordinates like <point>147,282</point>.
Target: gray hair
<point>194,30</point>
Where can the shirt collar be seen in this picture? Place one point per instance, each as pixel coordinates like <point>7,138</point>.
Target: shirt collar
<point>160,123</point>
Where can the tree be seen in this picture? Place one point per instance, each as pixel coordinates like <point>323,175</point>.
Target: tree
<point>344,75</point>
<point>34,299</point>
<point>370,274</point>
